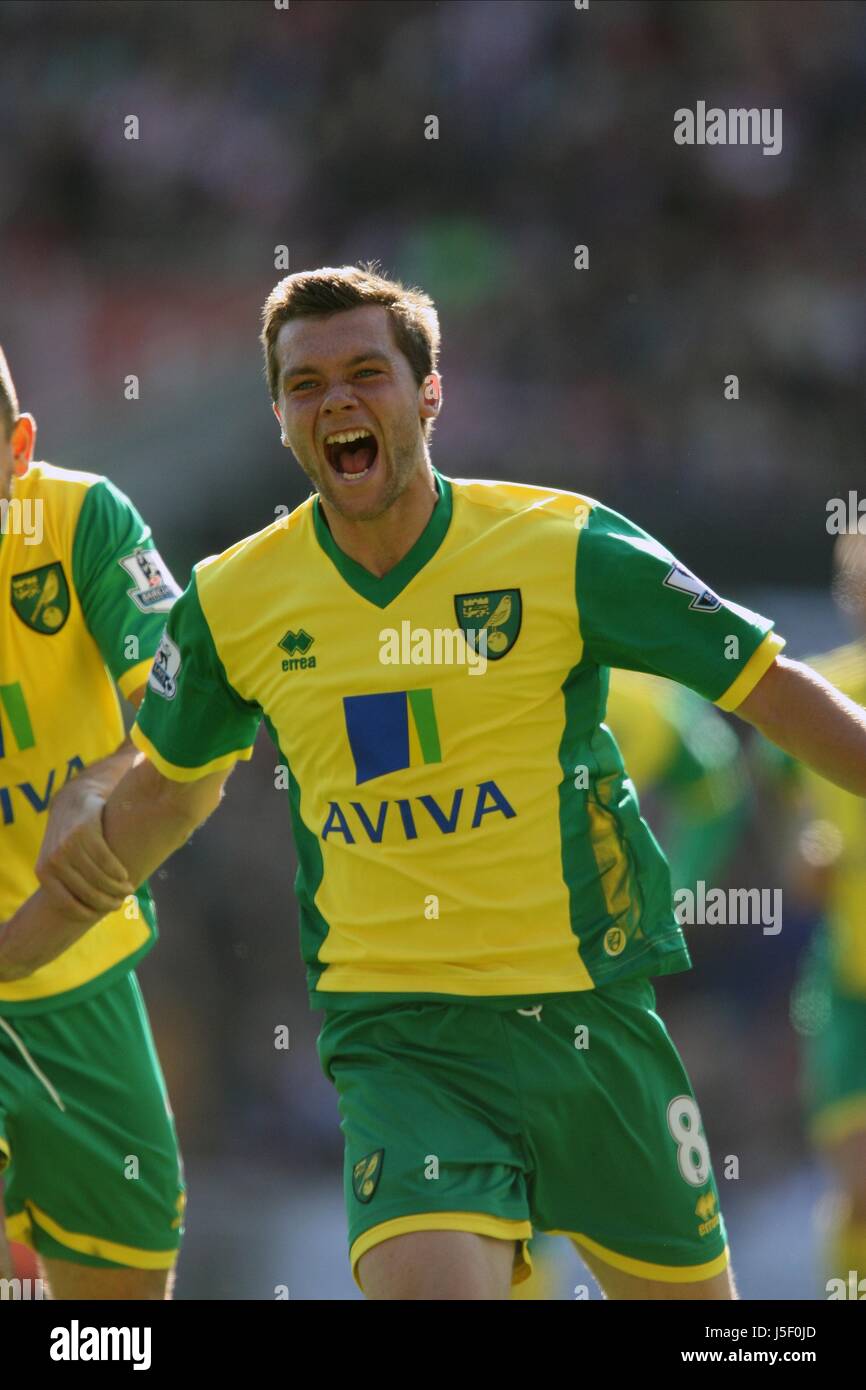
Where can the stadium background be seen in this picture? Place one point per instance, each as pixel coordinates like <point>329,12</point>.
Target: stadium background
<point>261,127</point>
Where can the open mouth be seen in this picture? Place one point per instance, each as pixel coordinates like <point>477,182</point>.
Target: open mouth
<point>352,453</point>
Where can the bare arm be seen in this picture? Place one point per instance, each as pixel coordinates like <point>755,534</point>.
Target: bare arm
<point>146,818</point>
<point>132,815</point>
<point>809,718</point>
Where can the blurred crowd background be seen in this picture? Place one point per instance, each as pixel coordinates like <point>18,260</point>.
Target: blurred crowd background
<point>261,128</point>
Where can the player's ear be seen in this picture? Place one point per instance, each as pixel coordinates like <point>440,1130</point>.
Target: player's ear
<point>430,396</point>
<point>276,410</point>
<point>22,441</point>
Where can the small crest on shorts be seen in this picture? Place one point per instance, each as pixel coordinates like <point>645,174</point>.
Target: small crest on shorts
<point>180,1208</point>
<point>366,1174</point>
<point>615,941</point>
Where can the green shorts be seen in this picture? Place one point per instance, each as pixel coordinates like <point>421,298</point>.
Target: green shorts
<point>572,1115</point>
<point>832,1028</point>
<point>92,1172</point>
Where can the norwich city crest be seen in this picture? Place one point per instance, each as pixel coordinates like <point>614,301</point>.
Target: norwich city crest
<point>497,612</point>
<point>366,1174</point>
<point>40,597</point>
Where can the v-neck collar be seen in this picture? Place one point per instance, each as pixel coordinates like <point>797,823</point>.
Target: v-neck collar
<point>383,590</point>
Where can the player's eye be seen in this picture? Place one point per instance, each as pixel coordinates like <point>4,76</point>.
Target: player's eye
<point>300,385</point>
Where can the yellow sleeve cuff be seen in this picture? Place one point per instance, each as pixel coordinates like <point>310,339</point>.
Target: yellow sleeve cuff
<point>185,774</point>
<point>757,666</point>
<point>136,675</point>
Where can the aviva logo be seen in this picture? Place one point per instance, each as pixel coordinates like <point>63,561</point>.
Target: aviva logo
<point>13,706</point>
<point>488,799</point>
<point>390,732</point>
<point>15,719</point>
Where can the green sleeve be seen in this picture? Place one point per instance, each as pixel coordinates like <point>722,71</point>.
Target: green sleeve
<point>192,721</point>
<point>641,609</point>
<point>124,587</point>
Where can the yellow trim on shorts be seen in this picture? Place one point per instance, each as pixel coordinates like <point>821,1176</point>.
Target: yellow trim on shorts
<point>757,666</point>
<point>20,1228</point>
<point>479,1223</point>
<point>4,1149</point>
<point>644,1269</point>
<point>174,771</point>
<point>839,1120</point>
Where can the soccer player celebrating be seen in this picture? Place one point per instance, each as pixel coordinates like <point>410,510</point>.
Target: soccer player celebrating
<point>93,1176</point>
<point>481,904</point>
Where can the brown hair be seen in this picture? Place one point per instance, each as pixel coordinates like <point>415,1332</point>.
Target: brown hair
<point>330,290</point>
<point>8,398</point>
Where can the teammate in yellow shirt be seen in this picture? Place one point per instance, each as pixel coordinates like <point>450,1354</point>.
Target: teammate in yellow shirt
<point>828,1007</point>
<point>481,902</point>
<point>92,1172</point>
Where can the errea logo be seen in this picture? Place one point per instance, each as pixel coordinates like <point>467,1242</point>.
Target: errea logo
<point>705,1210</point>
<point>294,643</point>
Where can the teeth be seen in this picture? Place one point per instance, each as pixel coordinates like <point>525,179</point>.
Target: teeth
<point>355,477</point>
<point>347,436</point>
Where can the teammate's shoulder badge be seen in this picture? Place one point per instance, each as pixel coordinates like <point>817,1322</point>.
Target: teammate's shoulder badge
<point>154,588</point>
<point>498,612</point>
<point>166,664</point>
<point>40,597</point>
<point>366,1174</point>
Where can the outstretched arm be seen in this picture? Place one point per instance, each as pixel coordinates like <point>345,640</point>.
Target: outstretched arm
<point>809,718</point>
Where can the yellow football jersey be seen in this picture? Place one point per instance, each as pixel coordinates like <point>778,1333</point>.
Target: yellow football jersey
<point>84,599</point>
<point>461,829</point>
